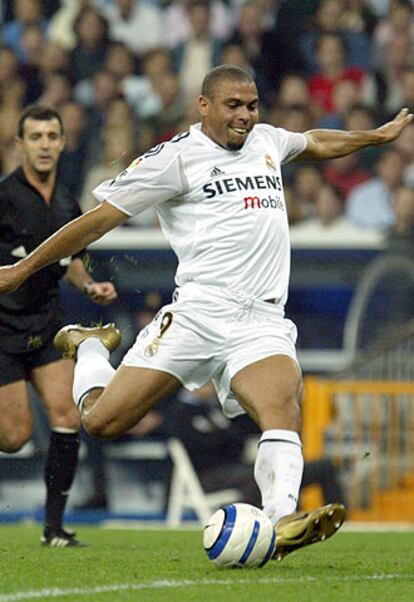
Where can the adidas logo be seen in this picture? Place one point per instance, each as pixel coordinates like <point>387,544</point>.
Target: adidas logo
<point>216,172</point>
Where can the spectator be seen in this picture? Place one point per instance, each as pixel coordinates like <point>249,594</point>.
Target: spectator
<point>330,51</point>
<point>400,238</point>
<point>362,117</point>
<point>104,90</point>
<point>54,59</point>
<point>406,148</point>
<point>253,37</point>
<point>135,23</point>
<point>57,90</point>
<point>196,56</point>
<point>33,43</point>
<point>61,25</point>
<point>164,123</point>
<point>307,184</point>
<point>407,87</point>
<point>346,94</point>
<point>117,153</point>
<point>281,53</point>
<point>88,56</point>
<point>359,17</point>
<point>9,152</point>
<point>139,90</point>
<point>233,54</point>
<point>292,109</point>
<point>293,118</point>
<point>9,157</point>
<point>12,86</point>
<point>177,27</point>
<point>397,23</point>
<point>329,19</point>
<point>346,174</point>
<point>329,223</point>
<point>72,164</point>
<point>370,204</point>
<point>293,90</point>
<point>26,13</point>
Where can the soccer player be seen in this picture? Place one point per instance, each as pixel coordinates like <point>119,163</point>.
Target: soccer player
<point>32,207</point>
<point>218,193</point>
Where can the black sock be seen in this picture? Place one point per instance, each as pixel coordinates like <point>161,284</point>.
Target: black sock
<point>60,469</point>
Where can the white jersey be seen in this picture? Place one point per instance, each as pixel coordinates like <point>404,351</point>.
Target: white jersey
<point>222,211</point>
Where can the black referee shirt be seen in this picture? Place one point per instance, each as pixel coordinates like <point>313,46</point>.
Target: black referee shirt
<point>26,220</point>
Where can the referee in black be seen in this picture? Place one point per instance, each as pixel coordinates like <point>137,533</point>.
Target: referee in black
<point>32,207</point>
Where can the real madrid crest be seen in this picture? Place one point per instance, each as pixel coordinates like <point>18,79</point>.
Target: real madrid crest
<point>269,162</point>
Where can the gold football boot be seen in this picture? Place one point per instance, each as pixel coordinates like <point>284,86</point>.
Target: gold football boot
<point>301,529</point>
<point>68,338</point>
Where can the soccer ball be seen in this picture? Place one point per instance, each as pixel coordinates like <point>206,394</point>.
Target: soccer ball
<point>239,535</point>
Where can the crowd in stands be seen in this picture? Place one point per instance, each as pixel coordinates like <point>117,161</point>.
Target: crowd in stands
<point>125,75</point>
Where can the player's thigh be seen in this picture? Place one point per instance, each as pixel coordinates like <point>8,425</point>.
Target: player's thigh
<point>132,392</point>
<point>270,390</point>
<point>15,416</point>
<point>53,383</point>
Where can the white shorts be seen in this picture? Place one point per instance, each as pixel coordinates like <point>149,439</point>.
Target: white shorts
<point>207,335</point>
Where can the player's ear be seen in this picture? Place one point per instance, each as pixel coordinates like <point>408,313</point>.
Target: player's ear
<point>203,105</point>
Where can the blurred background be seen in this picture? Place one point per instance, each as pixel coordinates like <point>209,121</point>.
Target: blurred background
<point>125,75</point>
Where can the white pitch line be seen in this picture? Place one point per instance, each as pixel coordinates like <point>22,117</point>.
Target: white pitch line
<point>168,584</point>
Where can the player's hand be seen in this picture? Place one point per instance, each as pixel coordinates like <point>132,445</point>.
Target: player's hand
<point>102,293</point>
<point>10,278</point>
<point>393,128</point>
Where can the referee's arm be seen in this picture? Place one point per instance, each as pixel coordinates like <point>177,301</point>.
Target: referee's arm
<point>78,277</point>
<point>68,240</point>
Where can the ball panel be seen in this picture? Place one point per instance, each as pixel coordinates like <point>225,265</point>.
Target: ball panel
<point>251,543</point>
<point>271,550</point>
<point>225,532</point>
<point>213,529</point>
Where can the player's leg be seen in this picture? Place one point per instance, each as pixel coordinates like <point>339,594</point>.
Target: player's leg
<point>15,412</point>
<point>111,402</point>
<point>128,397</point>
<point>270,391</point>
<point>53,383</point>
<point>15,416</point>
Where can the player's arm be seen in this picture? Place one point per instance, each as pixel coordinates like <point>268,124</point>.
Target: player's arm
<point>330,144</point>
<point>69,240</point>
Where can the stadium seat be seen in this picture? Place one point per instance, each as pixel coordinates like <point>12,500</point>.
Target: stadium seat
<point>186,492</point>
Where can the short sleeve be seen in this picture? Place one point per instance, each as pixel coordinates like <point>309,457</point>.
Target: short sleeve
<point>290,144</point>
<point>150,180</point>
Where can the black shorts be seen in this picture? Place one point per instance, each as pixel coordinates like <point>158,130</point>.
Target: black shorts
<point>18,366</point>
<point>22,351</point>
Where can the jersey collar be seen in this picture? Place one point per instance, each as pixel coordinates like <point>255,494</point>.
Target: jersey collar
<point>199,135</point>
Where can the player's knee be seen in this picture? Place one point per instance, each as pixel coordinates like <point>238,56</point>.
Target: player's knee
<point>96,427</point>
<point>67,417</point>
<point>14,441</point>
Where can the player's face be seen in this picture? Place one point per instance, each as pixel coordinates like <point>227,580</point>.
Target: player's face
<point>41,145</point>
<point>230,114</point>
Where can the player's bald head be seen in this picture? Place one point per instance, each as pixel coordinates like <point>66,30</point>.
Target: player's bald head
<point>221,74</point>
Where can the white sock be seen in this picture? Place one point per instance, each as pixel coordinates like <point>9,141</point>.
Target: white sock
<point>278,472</point>
<point>92,368</point>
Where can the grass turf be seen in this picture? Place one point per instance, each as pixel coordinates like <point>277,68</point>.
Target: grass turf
<point>156,566</point>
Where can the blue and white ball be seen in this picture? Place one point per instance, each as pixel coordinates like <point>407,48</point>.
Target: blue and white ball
<point>239,535</point>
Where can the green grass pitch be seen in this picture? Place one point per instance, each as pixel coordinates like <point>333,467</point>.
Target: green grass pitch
<point>159,565</point>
